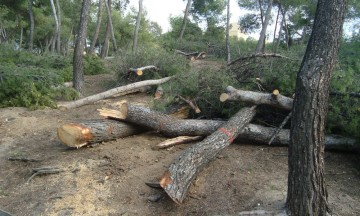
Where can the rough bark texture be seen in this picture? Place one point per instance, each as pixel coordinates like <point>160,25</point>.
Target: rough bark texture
<point>261,40</point>
<point>186,14</point>
<point>111,92</point>
<point>95,131</point>
<point>278,101</point>
<point>32,24</point>
<point>108,12</point>
<point>252,133</point>
<point>187,165</point>
<point>307,194</point>
<point>78,67</point>
<point>97,29</point>
<point>137,27</point>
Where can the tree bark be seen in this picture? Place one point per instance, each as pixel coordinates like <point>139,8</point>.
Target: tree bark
<point>108,10</point>
<point>261,40</point>
<point>307,193</point>
<point>32,24</point>
<point>177,179</point>
<point>228,57</point>
<point>97,29</point>
<point>272,99</point>
<point>137,27</point>
<point>78,67</point>
<point>105,48</point>
<point>77,135</point>
<point>186,14</point>
<point>111,92</point>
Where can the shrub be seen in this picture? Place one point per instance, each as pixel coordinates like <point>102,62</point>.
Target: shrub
<point>94,65</point>
<point>31,80</point>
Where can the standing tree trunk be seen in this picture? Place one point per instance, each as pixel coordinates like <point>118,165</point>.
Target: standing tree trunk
<point>261,41</point>
<point>108,10</point>
<point>78,73</point>
<point>137,27</point>
<point>307,194</point>
<point>32,24</point>
<point>279,35</point>
<point>97,30</point>
<point>228,58</point>
<point>58,39</point>
<point>56,28</point>
<point>105,48</point>
<point>186,14</point>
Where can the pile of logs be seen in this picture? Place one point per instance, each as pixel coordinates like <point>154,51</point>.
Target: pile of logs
<point>124,119</point>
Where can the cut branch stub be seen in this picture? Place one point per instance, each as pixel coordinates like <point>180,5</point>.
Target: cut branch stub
<point>184,169</point>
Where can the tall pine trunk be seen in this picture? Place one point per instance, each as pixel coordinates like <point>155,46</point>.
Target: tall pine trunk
<point>105,47</point>
<point>78,67</point>
<point>108,10</point>
<point>307,194</point>
<point>186,14</point>
<point>58,39</point>
<point>137,27</point>
<point>32,24</point>
<point>97,29</point>
<point>261,41</point>
<point>228,57</point>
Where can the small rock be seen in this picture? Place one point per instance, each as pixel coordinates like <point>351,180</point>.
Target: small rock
<point>155,197</point>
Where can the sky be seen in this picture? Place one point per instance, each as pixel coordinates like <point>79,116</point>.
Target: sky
<point>161,10</point>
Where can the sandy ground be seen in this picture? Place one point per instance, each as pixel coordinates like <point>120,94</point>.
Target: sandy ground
<point>109,179</point>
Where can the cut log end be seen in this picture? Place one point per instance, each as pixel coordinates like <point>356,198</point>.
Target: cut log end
<point>74,135</point>
<point>275,92</point>
<point>224,97</point>
<point>139,72</point>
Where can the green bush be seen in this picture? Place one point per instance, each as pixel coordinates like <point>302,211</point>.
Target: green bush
<point>167,63</point>
<point>33,81</point>
<point>94,65</point>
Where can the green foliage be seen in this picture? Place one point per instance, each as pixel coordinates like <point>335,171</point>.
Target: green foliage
<point>344,111</point>
<point>202,85</point>
<point>167,63</point>
<point>30,80</point>
<point>94,65</point>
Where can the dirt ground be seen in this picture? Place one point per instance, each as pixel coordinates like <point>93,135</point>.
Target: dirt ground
<point>109,179</point>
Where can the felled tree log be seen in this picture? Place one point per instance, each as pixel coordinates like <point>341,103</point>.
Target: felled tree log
<point>275,99</point>
<point>77,135</point>
<point>177,179</point>
<point>173,127</point>
<point>139,71</point>
<point>166,124</point>
<point>193,55</point>
<point>109,93</point>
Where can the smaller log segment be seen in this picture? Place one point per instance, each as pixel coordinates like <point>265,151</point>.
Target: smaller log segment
<point>184,169</point>
<point>140,71</point>
<point>177,141</point>
<point>111,92</point>
<point>275,99</point>
<point>192,56</point>
<point>77,135</point>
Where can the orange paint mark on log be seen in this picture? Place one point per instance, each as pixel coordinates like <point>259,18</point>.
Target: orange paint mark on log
<point>165,180</point>
<point>85,132</point>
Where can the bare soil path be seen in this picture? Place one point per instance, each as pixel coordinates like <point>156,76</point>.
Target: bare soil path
<point>109,179</point>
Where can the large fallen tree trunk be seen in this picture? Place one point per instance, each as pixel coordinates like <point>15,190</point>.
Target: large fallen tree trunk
<point>275,99</point>
<point>177,179</point>
<point>111,92</point>
<point>102,130</point>
<point>173,127</point>
<point>94,131</point>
